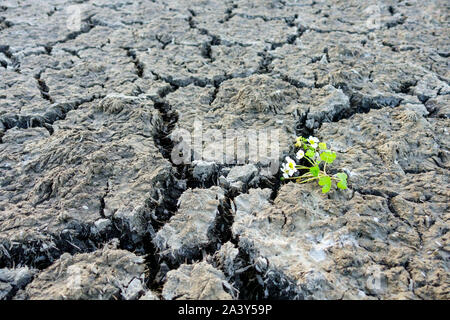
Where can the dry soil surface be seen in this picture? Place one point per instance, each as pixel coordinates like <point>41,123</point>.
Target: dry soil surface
<point>92,205</point>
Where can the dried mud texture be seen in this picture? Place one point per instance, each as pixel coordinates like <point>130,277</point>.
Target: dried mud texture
<point>192,228</point>
<point>95,176</point>
<point>91,116</point>
<point>12,280</point>
<point>315,247</point>
<point>198,281</point>
<point>100,275</point>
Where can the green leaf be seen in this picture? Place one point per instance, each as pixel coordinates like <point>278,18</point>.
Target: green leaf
<point>314,171</point>
<point>342,184</point>
<point>310,153</point>
<point>322,146</point>
<point>328,156</point>
<point>325,182</point>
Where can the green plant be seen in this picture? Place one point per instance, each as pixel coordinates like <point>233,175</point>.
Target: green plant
<point>318,156</point>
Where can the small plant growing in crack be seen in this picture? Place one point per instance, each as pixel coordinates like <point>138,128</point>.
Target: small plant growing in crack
<point>317,156</point>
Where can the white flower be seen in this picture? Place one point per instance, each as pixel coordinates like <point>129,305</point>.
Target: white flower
<point>285,170</point>
<point>313,141</point>
<point>289,166</point>
<point>300,154</point>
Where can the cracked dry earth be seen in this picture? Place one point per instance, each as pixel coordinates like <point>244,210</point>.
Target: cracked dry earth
<point>92,207</point>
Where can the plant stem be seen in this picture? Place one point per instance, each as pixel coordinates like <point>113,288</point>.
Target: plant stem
<point>311,161</point>
<point>306,175</point>
<point>311,179</point>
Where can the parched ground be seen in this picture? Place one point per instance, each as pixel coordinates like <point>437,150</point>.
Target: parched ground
<point>92,205</point>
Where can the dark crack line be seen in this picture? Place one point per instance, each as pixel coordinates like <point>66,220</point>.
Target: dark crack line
<point>87,27</point>
<point>388,197</point>
<point>15,64</point>
<point>163,43</point>
<point>359,104</point>
<point>138,65</point>
<point>410,224</point>
<point>56,112</point>
<point>288,19</point>
<point>229,13</point>
<point>5,24</point>
<point>102,201</point>
<point>43,88</point>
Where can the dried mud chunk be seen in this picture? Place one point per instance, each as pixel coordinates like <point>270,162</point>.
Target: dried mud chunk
<point>311,242</point>
<point>258,104</point>
<point>182,65</point>
<point>149,295</point>
<point>169,28</point>
<point>12,280</point>
<point>96,165</point>
<point>249,32</point>
<point>199,281</point>
<point>101,275</point>
<point>439,107</point>
<point>192,228</point>
<point>225,259</point>
<point>379,148</point>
